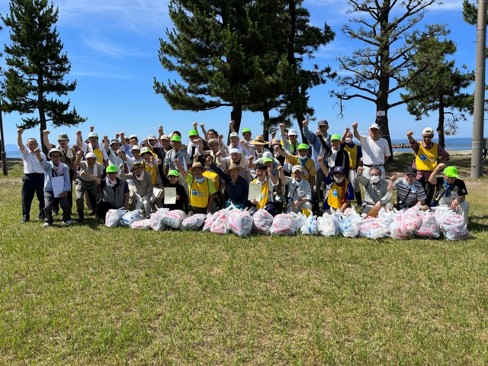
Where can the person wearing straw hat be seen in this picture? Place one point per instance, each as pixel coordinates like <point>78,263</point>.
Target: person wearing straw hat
<point>236,187</point>
<point>57,184</point>
<point>450,191</point>
<point>140,187</point>
<point>259,147</point>
<point>201,190</point>
<point>428,155</point>
<point>90,173</point>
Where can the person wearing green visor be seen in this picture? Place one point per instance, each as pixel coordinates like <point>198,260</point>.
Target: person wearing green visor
<point>197,145</point>
<point>309,171</point>
<point>115,193</point>
<point>177,153</point>
<point>450,191</point>
<point>181,195</point>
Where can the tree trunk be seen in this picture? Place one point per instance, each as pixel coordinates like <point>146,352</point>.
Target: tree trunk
<point>42,113</point>
<point>440,125</point>
<point>236,116</point>
<point>266,125</point>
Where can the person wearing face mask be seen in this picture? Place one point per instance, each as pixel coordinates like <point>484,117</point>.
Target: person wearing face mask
<point>375,148</point>
<point>201,190</point>
<point>57,184</point>
<point>304,161</point>
<point>377,193</point>
<point>141,188</point>
<point>338,190</point>
<point>267,183</point>
<point>115,193</point>
<point>450,191</point>
<point>409,191</point>
<point>335,155</point>
<point>299,191</point>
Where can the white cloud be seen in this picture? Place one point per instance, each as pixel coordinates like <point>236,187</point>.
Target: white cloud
<point>109,47</point>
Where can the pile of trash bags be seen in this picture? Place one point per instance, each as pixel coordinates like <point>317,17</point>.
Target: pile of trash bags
<point>400,225</point>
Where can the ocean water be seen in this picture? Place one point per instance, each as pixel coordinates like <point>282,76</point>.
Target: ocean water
<point>452,143</point>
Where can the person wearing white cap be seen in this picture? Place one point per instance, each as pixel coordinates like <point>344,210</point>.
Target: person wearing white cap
<point>234,142</point>
<point>375,148</point>
<point>428,155</point>
<point>239,160</point>
<point>89,175</point>
<point>299,190</point>
<point>136,156</point>
<point>92,146</point>
<point>289,140</point>
<point>57,184</point>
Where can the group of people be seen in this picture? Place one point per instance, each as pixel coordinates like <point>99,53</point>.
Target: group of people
<point>325,173</point>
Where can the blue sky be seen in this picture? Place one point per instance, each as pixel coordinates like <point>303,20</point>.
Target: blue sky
<point>113,48</point>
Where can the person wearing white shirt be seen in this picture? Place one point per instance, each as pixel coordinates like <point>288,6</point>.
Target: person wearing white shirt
<point>33,179</point>
<point>375,148</point>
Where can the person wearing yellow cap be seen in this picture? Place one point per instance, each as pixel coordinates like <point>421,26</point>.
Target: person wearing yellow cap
<point>450,191</point>
<point>428,155</point>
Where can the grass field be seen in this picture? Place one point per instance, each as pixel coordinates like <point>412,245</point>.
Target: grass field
<point>88,295</point>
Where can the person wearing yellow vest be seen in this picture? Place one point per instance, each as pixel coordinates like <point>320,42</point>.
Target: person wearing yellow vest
<point>201,190</point>
<point>355,155</point>
<point>302,159</point>
<point>151,163</point>
<point>92,146</point>
<point>338,191</point>
<point>428,155</point>
<point>266,182</point>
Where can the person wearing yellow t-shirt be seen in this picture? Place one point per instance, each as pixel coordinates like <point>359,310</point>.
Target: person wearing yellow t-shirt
<point>201,190</point>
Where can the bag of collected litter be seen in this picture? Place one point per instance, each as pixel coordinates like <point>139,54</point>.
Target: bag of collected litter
<point>208,222</point>
<point>156,219</point>
<point>349,225</point>
<point>310,226</point>
<point>240,222</point>
<point>262,221</point>
<point>430,227</point>
<point>386,218</point>
<point>453,226</point>
<point>283,224</point>
<point>112,218</point>
<point>411,218</point>
<point>131,217</point>
<point>219,223</point>
<point>173,218</point>
<point>193,222</point>
<point>299,220</point>
<point>399,230</point>
<point>141,224</point>
<point>328,225</point>
<point>371,228</point>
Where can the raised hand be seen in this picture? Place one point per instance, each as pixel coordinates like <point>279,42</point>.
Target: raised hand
<point>305,123</point>
<point>45,132</point>
<point>355,125</point>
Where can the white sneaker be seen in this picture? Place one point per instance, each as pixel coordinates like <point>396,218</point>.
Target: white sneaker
<point>46,224</point>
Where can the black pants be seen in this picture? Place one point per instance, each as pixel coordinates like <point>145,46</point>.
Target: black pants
<point>102,208</point>
<point>32,184</point>
<point>428,188</point>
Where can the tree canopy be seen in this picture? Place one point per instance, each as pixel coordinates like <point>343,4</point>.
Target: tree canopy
<point>37,66</point>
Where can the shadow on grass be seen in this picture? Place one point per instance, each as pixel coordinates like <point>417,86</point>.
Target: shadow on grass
<point>478,223</point>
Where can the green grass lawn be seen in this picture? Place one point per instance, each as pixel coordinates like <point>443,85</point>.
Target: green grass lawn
<point>89,295</point>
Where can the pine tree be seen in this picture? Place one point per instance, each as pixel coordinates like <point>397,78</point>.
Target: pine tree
<point>379,70</point>
<point>37,66</point>
<point>439,87</point>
